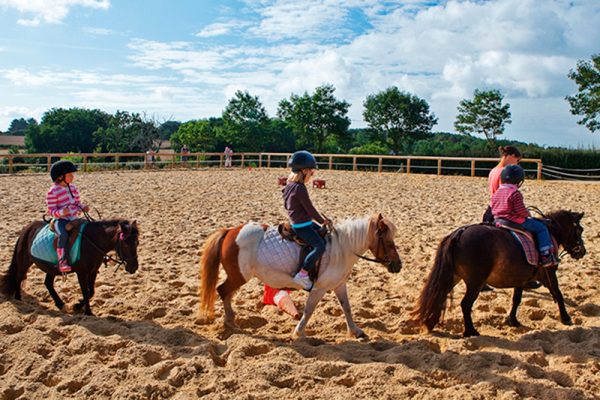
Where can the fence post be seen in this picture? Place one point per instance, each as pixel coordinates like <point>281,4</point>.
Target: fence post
<point>353,163</point>
<point>220,160</point>
<point>49,162</point>
<point>379,167</point>
<point>472,167</point>
<point>260,160</point>
<point>85,163</point>
<point>408,166</point>
<point>439,167</point>
<point>242,166</point>
<point>330,162</point>
<point>117,162</point>
<point>10,164</point>
<point>539,170</point>
<point>269,161</point>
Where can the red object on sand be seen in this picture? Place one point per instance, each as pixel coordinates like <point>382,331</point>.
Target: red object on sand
<point>268,295</point>
<point>319,183</point>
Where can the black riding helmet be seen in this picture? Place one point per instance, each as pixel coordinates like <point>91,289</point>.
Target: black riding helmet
<point>513,174</point>
<point>302,159</point>
<point>61,168</point>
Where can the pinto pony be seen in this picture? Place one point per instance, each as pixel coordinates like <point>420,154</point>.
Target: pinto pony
<point>484,253</point>
<point>98,238</point>
<point>238,250</point>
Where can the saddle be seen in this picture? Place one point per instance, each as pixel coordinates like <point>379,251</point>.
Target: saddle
<point>43,246</point>
<point>525,239</point>
<point>287,233</point>
<point>73,227</point>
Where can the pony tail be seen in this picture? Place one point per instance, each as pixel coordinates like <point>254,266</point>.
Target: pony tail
<point>8,282</point>
<point>209,273</point>
<point>432,300</point>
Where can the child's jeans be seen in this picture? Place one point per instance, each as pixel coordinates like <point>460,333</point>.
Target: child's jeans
<point>311,236</point>
<point>539,229</point>
<point>60,226</point>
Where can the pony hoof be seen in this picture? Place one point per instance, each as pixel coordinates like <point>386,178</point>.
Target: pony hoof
<point>513,322</point>
<point>231,325</point>
<point>567,321</point>
<point>470,333</point>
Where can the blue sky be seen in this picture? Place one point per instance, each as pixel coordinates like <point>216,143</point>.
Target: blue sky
<point>185,59</point>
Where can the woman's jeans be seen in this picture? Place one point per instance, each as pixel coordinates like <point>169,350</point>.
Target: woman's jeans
<point>540,230</point>
<point>311,236</point>
<point>60,226</point>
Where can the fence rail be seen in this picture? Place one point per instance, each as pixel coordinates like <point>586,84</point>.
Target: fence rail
<point>13,163</point>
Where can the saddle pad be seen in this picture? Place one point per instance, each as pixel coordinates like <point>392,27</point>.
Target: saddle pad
<point>43,249</point>
<point>528,246</point>
<point>527,243</point>
<point>274,250</point>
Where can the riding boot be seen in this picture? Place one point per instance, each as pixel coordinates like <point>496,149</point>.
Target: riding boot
<point>63,263</point>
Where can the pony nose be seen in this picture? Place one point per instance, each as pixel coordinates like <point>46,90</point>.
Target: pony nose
<point>395,266</point>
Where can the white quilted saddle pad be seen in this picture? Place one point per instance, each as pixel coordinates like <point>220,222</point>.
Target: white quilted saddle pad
<point>275,251</point>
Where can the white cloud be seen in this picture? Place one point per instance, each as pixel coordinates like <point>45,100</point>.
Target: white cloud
<point>50,11</point>
<point>99,31</point>
<point>222,28</point>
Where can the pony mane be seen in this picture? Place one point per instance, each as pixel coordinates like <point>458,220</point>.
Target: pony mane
<point>349,234</point>
<point>354,235</point>
<point>116,221</point>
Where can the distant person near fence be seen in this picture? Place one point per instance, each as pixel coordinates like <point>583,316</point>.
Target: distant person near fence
<point>184,154</point>
<point>228,156</point>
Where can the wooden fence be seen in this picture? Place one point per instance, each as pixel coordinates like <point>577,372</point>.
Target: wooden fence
<point>12,163</point>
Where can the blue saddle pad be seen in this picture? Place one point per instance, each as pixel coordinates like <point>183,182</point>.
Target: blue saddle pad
<point>43,249</point>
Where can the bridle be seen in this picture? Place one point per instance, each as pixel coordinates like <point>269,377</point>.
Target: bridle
<point>577,248</point>
<point>120,260</point>
<point>380,245</point>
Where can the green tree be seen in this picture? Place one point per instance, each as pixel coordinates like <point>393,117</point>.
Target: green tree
<point>245,121</point>
<point>127,133</point>
<point>66,130</point>
<point>485,114</point>
<point>198,135</point>
<point>18,127</point>
<point>586,103</point>
<point>317,120</point>
<point>398,118</point>
<point>168,128</point>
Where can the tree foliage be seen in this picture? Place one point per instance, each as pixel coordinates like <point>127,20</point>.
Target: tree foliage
<point>66,130</point>
<point>245,121</point>
<point>127,133</point>
<point>485,114</point>
<point>586,103</point>
<point>198,135</point>
<point>19,126</point>
<point>316,118</point>
<point>397,118</point>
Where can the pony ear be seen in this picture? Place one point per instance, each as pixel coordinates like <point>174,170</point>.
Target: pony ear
<point>124,226</point>
<point>578,216</point>
<point>381,225</point>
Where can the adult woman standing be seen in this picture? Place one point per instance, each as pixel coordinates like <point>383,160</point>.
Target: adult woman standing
<point>510,155</point>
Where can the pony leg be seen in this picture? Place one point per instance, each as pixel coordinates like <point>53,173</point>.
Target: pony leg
<point>558,298</point>
<point>83,283</point>
<point>227,290</point>
<point>342,294</point>
<point>511,320</point>
<point>467,306</point>
<point>49,282</point>
<point>316,294</point>
<point>91,290</point>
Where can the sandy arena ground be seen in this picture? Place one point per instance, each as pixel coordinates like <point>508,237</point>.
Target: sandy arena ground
<point>143,342</point>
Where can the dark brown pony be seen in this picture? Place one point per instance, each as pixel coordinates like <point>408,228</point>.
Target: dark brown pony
<point>484,253</point>
<point>98,238</point>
